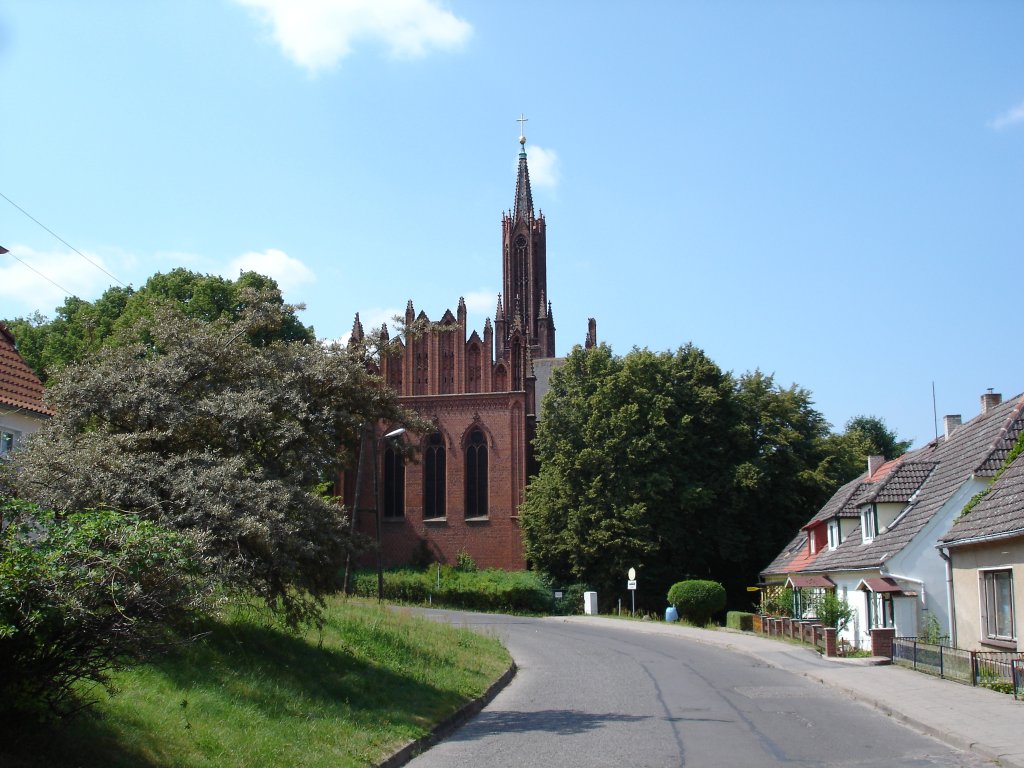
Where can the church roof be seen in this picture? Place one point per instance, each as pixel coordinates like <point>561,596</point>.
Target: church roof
<point>524,195</point>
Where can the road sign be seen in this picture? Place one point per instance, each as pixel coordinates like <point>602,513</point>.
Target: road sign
<point>632,574</point>
<point>631,584</point>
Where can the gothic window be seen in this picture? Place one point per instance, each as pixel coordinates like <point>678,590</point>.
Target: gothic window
<point>434,487</point>
<point>476,474</point>
<point>447,344</point>
<point>420,363</point>
<point>394,482</point>
<point>501,379</point>
<point>395,371</point>
<point>474,381</point>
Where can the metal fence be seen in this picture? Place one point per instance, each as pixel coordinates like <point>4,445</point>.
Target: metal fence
<point>999,670</point>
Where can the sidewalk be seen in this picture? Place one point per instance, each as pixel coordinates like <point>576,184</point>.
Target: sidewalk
<point>976,719</point>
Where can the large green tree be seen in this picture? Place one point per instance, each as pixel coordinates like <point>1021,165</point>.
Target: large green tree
<point>197,429</point>
<point>634,468</point>
<point>80,327</point>
<point>663,462</point>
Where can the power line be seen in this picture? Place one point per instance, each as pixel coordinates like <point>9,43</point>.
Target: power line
<point>66,291</point>
<point>69,245</point>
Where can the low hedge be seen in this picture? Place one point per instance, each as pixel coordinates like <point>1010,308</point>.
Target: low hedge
<point>486,590</point>
<point>740,620</point>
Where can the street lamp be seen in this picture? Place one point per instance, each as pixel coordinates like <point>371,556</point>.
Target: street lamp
<point>374,443</point>
<point>392,435</point>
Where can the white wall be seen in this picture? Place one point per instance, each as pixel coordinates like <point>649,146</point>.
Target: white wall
<point>920,561</point>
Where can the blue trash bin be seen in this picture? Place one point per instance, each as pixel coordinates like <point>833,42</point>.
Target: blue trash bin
<point>671,614</point>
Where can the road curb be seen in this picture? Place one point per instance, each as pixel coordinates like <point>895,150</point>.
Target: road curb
<point>450,724</point>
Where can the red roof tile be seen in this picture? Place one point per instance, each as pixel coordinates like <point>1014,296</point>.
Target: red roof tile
<point>19,386</point>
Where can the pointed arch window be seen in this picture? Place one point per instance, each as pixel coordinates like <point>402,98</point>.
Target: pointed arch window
<point>394,482</point>
<point>434,486</point>
<point>476,474</point>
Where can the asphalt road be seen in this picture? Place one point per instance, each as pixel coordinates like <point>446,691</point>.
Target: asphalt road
<point>611,696</point>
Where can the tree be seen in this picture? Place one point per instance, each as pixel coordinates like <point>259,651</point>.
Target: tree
<point>783,470</point>
<point>663,462</point>
<point>201,431</point>
<point>81,327</point>
<point>634,464</point>
<point>864,436</point>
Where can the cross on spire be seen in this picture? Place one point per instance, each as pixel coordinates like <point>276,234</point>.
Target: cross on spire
<point>522,135</point>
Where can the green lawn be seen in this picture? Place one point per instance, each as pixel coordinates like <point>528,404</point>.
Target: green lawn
<point>252,694</point>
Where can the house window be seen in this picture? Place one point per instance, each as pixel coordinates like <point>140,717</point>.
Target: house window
<point>434,489</point>
<point>476,474</point>
<point>880,610</point>
<point>868,523</point>
<point>833,534</point>
<point>997,594</point>
<point>394,483</point>
<point>8,439</point>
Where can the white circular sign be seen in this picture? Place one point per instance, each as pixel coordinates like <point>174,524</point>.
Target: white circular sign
<point>632,574</point>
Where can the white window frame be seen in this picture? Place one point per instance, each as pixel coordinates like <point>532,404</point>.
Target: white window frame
<point>834,537</point>
<point>990,607</point>
<point>868,523</point>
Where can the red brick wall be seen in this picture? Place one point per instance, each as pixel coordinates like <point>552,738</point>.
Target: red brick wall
<point>492,543</point>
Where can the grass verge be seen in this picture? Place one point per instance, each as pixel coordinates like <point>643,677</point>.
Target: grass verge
<point>254,694</point>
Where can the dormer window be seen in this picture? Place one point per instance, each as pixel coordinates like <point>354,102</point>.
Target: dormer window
<point>868,523</point>
<point>833,534</point>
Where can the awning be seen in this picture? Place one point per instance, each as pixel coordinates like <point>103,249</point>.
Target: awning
<point>880,584</point>
<point>801,580</point>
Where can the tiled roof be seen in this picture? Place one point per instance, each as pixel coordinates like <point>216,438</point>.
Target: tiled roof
<point>19,387</point>
<point>904,482</point>
<point>999,513</point>
<point>939,469</point>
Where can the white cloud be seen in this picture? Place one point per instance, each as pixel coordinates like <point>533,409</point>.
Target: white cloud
<point>316,34</point>
<point>290,274</point>
<point>1013,116</point>
<point>23,291</point>
<point>544,169</point>
<point>481,302</point>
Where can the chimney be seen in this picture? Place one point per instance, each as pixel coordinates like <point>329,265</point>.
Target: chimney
<point>990,400</point>
<point>950,423</point>
<point>874,464</point>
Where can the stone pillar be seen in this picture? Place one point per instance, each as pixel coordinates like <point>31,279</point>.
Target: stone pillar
<point>830,642</point>
<point>882,641</point>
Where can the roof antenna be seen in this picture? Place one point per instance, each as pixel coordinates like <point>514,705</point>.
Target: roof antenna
<point>935,414</point>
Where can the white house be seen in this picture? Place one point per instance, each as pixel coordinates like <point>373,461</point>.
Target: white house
<point>874,542</point>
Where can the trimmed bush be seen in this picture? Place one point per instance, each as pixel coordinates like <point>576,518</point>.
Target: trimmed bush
<point>740,620</point>
<point>697,600</point>
<point>486,590</point>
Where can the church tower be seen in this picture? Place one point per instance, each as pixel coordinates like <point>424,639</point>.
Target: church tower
<point>524,268</point>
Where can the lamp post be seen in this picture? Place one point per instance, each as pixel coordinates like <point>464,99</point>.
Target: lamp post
<point>392,435</point>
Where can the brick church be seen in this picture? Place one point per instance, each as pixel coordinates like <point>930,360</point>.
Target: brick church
<point>482,393</point>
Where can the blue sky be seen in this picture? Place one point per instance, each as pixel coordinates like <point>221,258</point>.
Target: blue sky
<point>830,192</point>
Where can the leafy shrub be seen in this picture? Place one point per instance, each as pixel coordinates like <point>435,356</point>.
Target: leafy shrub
<point>464,562</point>
<point>834,611</point>
<point>740,620</point>
<point>778,601</point>
<point>697,600</point>
<point>486,590</point>
<point>571,601</point>
<point>82,594</point>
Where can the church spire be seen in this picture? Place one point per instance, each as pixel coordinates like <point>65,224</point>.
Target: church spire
<point>524,195</point>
